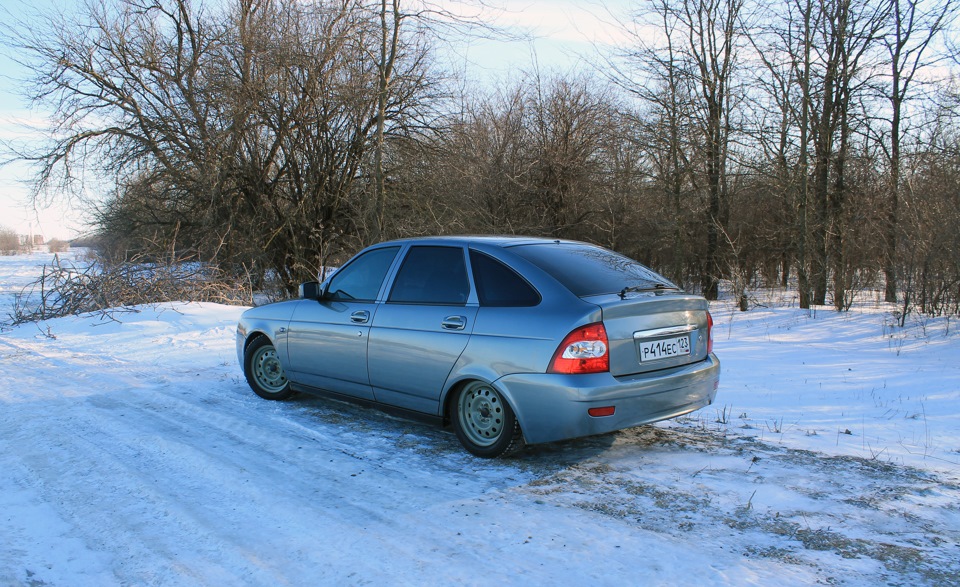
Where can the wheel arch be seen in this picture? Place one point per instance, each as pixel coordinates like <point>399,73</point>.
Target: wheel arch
<point>254,335</point>
<point>466,379</point>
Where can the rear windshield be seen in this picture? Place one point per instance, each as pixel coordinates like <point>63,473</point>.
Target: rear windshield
<point>587,270</point>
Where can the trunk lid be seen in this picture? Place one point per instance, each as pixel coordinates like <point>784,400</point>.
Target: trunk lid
<point>649,331</point>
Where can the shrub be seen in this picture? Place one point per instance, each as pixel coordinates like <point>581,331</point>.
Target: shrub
<point>58,246</point>
<point>9,241</point>
<point>64,289</point>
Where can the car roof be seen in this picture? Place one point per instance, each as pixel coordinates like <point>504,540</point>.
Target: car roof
<point>493,240</point>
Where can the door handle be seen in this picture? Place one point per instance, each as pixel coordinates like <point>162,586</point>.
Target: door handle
<point>453,323</point>
<point>360,317</point>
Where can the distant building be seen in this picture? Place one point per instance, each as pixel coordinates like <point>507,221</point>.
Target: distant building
<point>25,240</point>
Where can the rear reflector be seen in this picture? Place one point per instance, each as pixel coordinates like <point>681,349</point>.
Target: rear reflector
<point>599,412</point>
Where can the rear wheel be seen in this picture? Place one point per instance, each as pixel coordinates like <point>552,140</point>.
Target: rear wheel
<point>264,372</point>
<point>484,422</point>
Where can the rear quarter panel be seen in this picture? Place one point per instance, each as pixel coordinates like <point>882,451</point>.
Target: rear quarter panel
<point>510,340</point>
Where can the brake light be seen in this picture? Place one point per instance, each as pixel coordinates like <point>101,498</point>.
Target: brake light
<point>582,351</point>
<point>709,333</point>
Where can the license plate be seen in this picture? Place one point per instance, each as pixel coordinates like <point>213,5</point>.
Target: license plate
<point>664,348</point>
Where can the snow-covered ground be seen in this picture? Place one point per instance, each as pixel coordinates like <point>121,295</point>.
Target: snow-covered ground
<point>133,453</point>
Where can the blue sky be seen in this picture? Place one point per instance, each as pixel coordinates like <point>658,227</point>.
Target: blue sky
<point>565,31</point>
<point>16,116</point>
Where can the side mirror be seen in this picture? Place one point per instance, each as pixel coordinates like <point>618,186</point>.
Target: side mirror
<point>310,290</point>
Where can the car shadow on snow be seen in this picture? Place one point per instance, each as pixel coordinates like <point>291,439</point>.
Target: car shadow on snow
<point>427,438</point>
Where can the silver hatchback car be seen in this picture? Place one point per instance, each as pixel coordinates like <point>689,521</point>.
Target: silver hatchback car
<point>510,340</point>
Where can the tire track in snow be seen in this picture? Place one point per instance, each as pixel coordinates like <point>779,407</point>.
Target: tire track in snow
<point>146,449</point>
<point>798,506</point>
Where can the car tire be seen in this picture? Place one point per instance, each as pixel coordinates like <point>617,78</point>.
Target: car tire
<point>484,422</point>
<point>264,372</point>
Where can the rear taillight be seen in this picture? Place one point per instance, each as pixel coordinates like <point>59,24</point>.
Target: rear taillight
<point>582,351</point>
<point>709,333</point>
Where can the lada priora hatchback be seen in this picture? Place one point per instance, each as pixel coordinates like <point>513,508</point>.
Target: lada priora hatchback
<point>510,340</point>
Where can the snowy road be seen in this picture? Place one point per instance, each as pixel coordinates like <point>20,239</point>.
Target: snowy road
<point>132,453</point>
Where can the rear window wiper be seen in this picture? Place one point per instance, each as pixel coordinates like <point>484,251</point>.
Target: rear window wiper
<point>644,288</point>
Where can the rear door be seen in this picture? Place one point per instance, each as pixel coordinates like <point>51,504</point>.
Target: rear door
<point>420,331</point>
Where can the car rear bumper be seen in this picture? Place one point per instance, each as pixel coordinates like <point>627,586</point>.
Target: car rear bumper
<point>554,407</point>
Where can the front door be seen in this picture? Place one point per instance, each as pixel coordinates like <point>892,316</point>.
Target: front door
<point>327,339</point>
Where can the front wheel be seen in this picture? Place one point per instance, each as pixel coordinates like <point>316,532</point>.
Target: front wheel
<point>263,370</point>
<point>484,422</point>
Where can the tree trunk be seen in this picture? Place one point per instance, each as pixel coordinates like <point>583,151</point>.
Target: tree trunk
<point>803,282</point>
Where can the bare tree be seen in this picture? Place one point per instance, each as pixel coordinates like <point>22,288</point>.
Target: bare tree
<point>567,124</point>
<point>846,33</point>
<point>803,274</point>
<point>391,19</point>
<point>818,51</point>
<point>243,134</point>
<point>693,70</point>
<point>913,26</point>
<point>405,28</point>
<point>652,72</point>
<point>712,30</point>
<point>486,154</point>
<point>531,158</point>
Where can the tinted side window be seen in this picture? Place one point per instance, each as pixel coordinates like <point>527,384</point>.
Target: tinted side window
<point>432,275</point>
<point>499,285</point>
<point>588,270</point>
<point>361,278</point>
